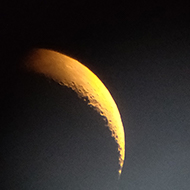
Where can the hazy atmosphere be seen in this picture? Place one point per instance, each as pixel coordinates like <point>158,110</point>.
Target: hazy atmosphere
<point>140,51</point>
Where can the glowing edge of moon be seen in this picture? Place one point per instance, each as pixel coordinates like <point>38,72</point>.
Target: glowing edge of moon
<point>71,73</point>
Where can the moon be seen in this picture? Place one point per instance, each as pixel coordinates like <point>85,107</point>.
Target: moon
<point>70,73</point>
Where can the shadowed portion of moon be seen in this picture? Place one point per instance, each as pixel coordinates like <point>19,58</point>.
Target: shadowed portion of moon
<point>50,139</point>
<point>72,74</point>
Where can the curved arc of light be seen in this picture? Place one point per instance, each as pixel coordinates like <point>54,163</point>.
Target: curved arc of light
<point>71,73</point>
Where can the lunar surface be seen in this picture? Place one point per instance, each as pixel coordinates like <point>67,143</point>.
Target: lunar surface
<point>70,73</point>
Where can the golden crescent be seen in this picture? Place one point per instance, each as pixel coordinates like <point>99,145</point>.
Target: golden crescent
<point>72,74</point>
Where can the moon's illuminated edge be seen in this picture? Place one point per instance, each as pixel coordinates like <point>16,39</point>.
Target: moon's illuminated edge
<point>71,73</point>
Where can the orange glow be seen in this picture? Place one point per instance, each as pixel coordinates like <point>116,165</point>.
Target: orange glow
<point>69,72</point>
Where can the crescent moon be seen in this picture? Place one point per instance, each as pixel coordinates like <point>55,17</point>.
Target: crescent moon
<point>72,74</point>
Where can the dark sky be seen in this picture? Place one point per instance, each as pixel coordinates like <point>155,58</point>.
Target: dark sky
<point>140,50</point>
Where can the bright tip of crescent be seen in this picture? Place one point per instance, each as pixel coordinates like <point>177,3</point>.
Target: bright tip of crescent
<point>71,73</point>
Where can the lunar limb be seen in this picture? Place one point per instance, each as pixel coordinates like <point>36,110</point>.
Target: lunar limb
<point>72,74</point>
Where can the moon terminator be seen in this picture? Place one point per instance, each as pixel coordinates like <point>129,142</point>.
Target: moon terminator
<point>72,74</point>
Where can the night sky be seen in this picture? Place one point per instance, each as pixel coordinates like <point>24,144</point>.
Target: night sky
<point>140,51</point>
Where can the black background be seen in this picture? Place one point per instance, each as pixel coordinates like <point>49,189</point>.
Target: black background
<point>140,50</point>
